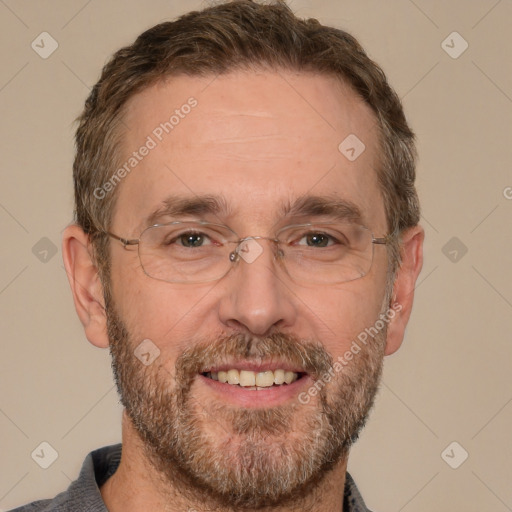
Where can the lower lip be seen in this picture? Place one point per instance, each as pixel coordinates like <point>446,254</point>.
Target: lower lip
<point>268,397</point>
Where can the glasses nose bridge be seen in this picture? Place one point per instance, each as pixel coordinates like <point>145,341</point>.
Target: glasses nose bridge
<point>271,239</point>
<point>235,255</point>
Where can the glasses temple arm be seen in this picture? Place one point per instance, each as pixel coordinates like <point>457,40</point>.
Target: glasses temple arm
<point>124,241</point>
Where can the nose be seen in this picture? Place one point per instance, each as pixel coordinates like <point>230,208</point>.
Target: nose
<point>256,297</point>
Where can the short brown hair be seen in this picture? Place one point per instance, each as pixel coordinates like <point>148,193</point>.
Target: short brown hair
<point>241,34</point>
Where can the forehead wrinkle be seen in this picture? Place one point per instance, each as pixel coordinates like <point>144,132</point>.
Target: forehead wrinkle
<point>250,138</point>
<point>236,113</point>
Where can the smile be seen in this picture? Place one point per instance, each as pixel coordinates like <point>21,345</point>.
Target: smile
<point>253,380</point>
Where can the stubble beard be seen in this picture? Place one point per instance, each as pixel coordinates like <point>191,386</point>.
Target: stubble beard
<point>243,458</point>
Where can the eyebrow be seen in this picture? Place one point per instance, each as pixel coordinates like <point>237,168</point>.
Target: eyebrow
<point>323,206</point>
<point>304,206</point>
<point>180,206</point>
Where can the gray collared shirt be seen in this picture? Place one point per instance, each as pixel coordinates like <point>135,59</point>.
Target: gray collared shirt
<point>83,495</point>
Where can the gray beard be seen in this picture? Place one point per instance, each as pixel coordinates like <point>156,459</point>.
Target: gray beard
<point>255,458</point>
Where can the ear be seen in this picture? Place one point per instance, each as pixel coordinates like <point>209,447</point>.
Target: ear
<point>85,284</point>
<point>403,289</point>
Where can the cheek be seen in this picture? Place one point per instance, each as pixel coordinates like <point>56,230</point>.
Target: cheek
<point>338,316</point>
<point>167,314</point>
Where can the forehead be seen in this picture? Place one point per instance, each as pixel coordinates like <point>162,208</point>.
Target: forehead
<point>255,139</point>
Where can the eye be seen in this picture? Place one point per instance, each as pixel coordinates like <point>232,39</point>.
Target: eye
<point>191,239</point>
<point>317,239</point>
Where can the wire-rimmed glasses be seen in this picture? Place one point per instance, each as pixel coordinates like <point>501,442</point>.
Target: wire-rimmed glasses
<point>201,252</point>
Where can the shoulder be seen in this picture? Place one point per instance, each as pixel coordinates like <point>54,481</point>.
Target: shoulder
<point>32,507</point>
<point>37,506</point>
<point>83,495</point>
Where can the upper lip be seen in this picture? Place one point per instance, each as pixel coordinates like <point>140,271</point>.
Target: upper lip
<point>254,367</point>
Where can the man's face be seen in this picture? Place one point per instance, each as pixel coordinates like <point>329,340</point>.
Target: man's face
<point>256,142</point>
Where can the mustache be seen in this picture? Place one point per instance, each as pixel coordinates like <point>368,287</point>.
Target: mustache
<point>310,356</point>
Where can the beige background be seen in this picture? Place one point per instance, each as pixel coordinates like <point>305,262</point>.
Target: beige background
<point>451,379</point>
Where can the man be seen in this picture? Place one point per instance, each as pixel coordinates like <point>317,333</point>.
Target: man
<point>247,244</point>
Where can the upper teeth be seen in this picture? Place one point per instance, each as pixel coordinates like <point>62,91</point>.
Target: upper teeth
<point>247,378</point>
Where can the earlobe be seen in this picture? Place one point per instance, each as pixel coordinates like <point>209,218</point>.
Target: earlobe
<point>403,289</point>
<point>85,284</point>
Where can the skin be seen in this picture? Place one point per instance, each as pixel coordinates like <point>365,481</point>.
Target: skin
<point>260,139</point>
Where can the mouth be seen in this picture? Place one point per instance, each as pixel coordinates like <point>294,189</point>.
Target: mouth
<point>254,380</point>
<point>255,385</point>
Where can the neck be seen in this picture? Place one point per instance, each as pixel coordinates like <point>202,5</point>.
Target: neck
<point>138,486</point>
